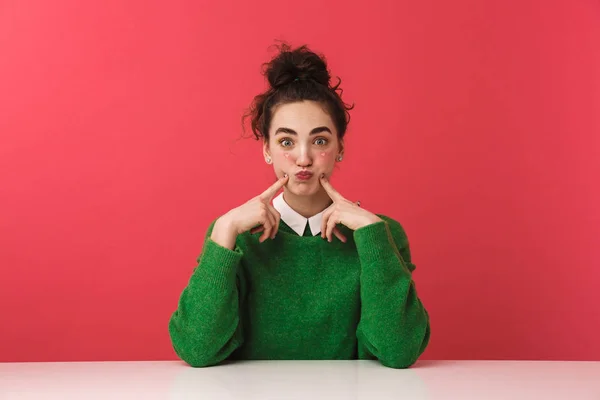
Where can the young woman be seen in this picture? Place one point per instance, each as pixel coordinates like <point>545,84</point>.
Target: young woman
<point>306,274</point>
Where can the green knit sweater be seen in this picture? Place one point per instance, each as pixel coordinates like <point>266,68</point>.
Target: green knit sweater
<point>301,297</point>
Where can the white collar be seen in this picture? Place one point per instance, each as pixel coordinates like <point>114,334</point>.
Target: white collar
<point>296,221</point>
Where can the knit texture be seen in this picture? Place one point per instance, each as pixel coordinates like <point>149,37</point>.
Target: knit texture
<point>301,297</point>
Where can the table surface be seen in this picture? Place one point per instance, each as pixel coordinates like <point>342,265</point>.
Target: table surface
<point>306,380</point>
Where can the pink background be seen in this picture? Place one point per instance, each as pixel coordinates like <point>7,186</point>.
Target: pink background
<point>477,126</point>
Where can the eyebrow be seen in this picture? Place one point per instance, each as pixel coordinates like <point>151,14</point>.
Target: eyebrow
<point>315,131</point>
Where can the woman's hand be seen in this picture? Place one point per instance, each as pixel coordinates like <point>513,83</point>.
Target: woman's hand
<point>343,212</point>
<point>255,215</point>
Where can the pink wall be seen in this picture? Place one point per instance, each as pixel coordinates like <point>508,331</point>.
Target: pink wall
<point>476,125</point>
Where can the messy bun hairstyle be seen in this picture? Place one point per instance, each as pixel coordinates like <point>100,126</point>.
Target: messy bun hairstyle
<point>297,75</point>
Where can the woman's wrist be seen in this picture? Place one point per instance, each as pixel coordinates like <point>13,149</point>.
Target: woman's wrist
<point>224,233</point>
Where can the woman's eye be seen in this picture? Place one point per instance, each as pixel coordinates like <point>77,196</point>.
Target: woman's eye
<point>321,142</point>
<point>285,142</point>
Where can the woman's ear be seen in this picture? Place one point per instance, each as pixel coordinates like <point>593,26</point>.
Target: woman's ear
<point>341,148</point>
<point>266,152</point>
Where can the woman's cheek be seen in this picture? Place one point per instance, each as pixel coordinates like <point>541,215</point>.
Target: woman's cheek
<point>327,157</point>
<point>283,158</point>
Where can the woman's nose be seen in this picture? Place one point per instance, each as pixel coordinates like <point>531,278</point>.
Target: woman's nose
<point>304,158</point>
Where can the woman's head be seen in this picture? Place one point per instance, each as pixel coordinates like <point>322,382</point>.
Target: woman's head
<point>301,118</point>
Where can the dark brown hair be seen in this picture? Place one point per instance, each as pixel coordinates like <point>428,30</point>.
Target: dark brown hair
<point>297,75</point>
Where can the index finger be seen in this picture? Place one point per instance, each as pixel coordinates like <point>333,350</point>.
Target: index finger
<point>268,194</point>
<point>334,194</point>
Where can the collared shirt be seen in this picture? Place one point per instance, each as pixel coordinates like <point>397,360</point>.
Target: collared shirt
<point>296,221</point>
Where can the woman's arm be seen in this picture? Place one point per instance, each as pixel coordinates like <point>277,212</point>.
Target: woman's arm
<point>205,329</point>
<point>394,325</point>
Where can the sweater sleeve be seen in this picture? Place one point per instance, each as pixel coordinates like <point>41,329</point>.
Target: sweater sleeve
<point>394,325</point>
<point>205,328</point>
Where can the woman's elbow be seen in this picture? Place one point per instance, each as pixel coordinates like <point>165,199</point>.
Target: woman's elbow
<point>399,362</point>
<point>405,357</point>
<point>198,361</point>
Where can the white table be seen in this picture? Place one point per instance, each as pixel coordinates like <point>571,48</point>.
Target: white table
<point>306,380</point>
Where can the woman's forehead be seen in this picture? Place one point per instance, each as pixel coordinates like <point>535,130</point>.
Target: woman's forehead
<point>302,117</point>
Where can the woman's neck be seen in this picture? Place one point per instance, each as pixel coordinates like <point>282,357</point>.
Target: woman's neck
<point>307,206</point>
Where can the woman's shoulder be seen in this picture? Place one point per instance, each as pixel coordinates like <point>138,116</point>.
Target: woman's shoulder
<point>396,228</point>
<point>390,221</point>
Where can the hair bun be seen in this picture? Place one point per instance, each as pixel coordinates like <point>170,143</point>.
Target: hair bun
<point>294,76</point>
<point>298,64</point>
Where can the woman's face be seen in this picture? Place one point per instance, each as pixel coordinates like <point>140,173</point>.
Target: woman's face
<point>303,143</point>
